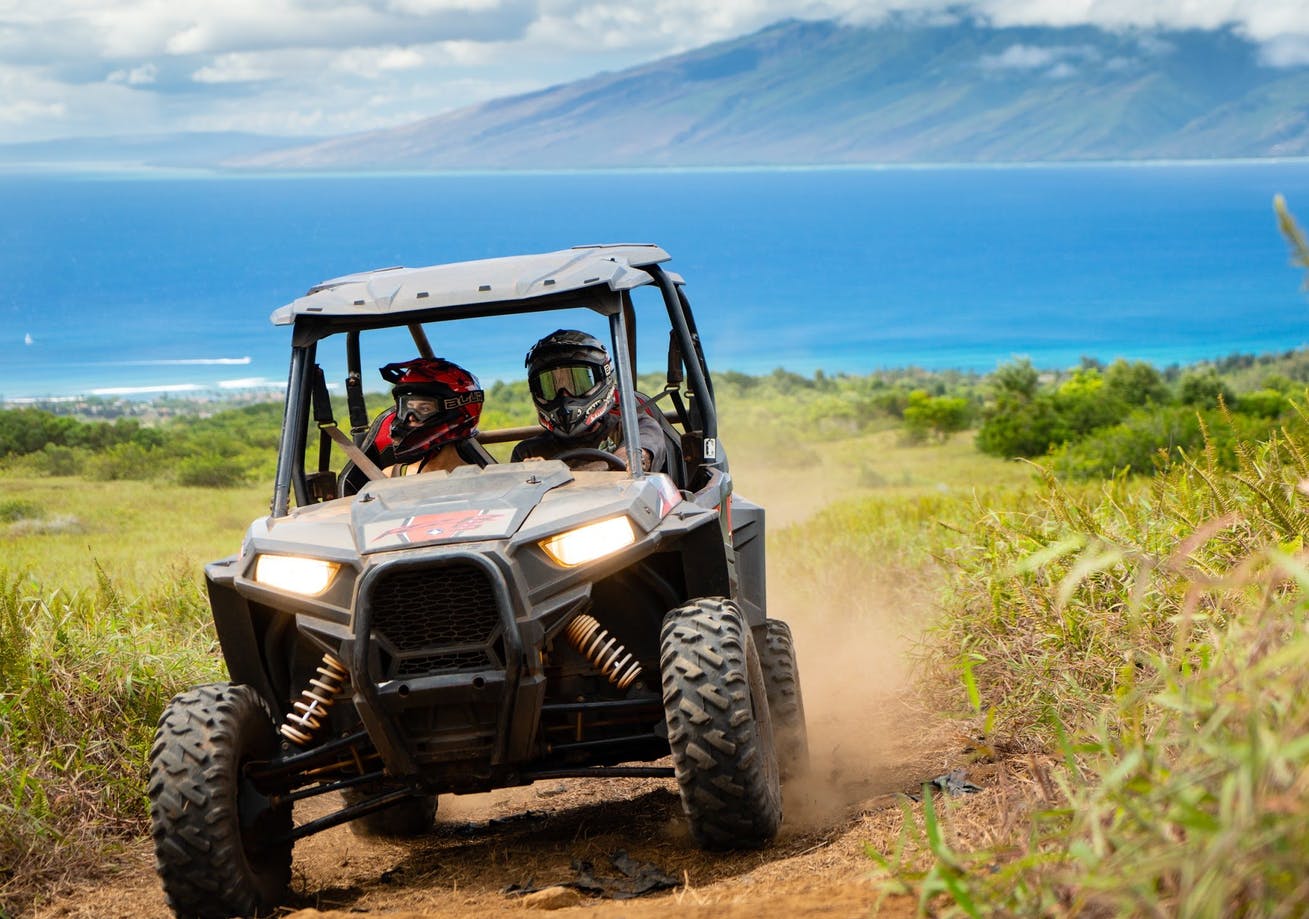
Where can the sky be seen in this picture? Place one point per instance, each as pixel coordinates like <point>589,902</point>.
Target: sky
<point>71,68</point>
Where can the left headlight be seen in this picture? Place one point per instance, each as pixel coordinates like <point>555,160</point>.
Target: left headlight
<point>294,573</point>
<point>590,542</point>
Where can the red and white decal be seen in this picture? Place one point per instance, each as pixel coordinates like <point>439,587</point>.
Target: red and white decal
<point>447,525</point>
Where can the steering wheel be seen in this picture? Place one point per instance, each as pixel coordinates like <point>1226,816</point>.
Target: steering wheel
<point>590,454</point>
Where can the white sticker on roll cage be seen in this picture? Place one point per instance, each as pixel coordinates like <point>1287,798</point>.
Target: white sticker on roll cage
<point>711,448</point>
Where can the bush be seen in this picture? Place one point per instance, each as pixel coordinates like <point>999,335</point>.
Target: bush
<point>12,509</point>
<point>55,461</point>
<point>1015,426</point>
<point>124,461</point>
<point>937,416</point>
<point>210,472</point>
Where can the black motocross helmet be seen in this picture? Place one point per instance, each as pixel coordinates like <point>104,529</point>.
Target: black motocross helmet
<point>572,382</point>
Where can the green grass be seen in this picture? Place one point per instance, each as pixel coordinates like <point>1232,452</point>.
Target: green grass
<point>84,675</point>
<point>1135,653</point>
<point>137,531</point>
<point>1131,652</point>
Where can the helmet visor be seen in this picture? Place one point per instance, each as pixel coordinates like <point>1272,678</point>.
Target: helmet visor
<point>572,379</point>
<point>415,408</point>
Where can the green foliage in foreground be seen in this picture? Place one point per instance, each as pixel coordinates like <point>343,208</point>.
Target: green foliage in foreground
<point>84,676</point>
<point>1152,637</point>
<point>1100,420</point>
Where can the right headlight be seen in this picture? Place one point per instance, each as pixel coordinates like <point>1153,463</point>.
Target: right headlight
<point>295,573</point>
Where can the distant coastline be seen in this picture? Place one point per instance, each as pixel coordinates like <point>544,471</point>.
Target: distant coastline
<point>146,171</point>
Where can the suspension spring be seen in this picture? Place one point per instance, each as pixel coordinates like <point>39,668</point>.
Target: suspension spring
<point>604,651</point>
<point>311,708</point>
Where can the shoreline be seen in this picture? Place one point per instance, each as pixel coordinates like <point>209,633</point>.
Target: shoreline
<point>154,402</point>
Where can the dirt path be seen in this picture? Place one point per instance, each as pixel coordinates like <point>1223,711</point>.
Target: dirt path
<point>868,743</point>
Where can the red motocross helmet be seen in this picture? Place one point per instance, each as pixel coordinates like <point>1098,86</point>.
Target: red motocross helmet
<point>436,402</point>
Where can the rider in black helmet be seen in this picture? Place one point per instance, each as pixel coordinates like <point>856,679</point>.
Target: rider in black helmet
<point>576,396</point>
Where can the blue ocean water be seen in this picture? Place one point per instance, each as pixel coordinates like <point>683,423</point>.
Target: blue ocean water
<point>153,281</point>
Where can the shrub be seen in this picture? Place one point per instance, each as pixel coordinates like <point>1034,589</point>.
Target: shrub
<point>1203,387</point>
<point>124,461</point>
<point>937,416</point>
<point>210,472</point>
<point>13,509</point>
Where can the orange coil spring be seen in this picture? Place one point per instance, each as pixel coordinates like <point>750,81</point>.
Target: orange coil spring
<point>604,651</point>
<point>310,709</point>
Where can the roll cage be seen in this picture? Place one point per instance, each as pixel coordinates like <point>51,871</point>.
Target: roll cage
<point>598,278</point>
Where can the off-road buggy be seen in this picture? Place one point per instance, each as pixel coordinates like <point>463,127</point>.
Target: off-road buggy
<point>391,640</point>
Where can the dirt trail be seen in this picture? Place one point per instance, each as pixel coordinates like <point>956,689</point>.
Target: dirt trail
<point>868,742</point>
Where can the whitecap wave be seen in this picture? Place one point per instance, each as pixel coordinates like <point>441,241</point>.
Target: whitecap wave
<point>251,383</point>
<point>143,390</point>
<point>183,362</point>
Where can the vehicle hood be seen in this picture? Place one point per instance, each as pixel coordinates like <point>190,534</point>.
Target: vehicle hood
<point>467,504</point>
<point>513,500</point>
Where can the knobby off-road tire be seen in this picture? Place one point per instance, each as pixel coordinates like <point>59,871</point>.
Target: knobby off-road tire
<point>785,702</point>
<point>719,729</point>
<point>211,828</point>
<point>408,818</point>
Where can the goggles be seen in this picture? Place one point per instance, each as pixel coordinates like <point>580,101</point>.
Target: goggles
<point>570,379</point>
<point>416,407</point>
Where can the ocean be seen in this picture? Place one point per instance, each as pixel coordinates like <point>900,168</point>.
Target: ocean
<point>141,283</point>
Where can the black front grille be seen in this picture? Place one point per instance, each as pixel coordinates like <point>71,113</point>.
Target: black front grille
<point>441,619</point>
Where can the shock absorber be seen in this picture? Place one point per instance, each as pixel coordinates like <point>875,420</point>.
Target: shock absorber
<point>311,708</point>
<point>604,651</point>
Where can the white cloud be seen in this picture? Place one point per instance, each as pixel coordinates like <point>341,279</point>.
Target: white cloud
<point>1286,51</point>
<point>233,68</point>
<point>1020,57</point>
<point>135,76</point>
<point>23,110</point>
<point>370,62</point>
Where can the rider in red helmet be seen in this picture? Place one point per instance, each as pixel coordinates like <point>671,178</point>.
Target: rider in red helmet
<point>437,407</point>
<point>573,386</point>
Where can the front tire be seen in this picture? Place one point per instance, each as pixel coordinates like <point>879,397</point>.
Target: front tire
<point>215,835</point>
<point>719,728</point>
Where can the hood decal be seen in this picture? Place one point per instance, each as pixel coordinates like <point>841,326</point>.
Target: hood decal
<point>466,505</point>
<point>468,524</point>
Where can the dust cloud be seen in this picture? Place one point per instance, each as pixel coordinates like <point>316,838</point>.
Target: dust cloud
<point>855,631</point>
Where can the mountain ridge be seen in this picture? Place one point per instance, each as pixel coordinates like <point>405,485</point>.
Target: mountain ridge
<point>816,92</point>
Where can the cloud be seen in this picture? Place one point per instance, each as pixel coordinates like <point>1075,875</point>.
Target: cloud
<point>1286,51</point>
<point>1020,57</point>
<point>135,76</point>
<point>23,110</point>
<point>1055,60</point>
<point>233,68</point>
<point>296,66</point>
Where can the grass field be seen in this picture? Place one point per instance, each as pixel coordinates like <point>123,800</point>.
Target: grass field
<point>1130,652</point>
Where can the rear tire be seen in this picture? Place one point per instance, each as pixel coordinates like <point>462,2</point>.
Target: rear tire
<point>719,729</point>
<point>785,702</point>
<point>211,826</point>
<point>413,817</point>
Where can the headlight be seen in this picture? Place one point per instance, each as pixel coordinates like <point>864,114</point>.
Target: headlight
<point>586,544</point>
<point>308,576</point>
